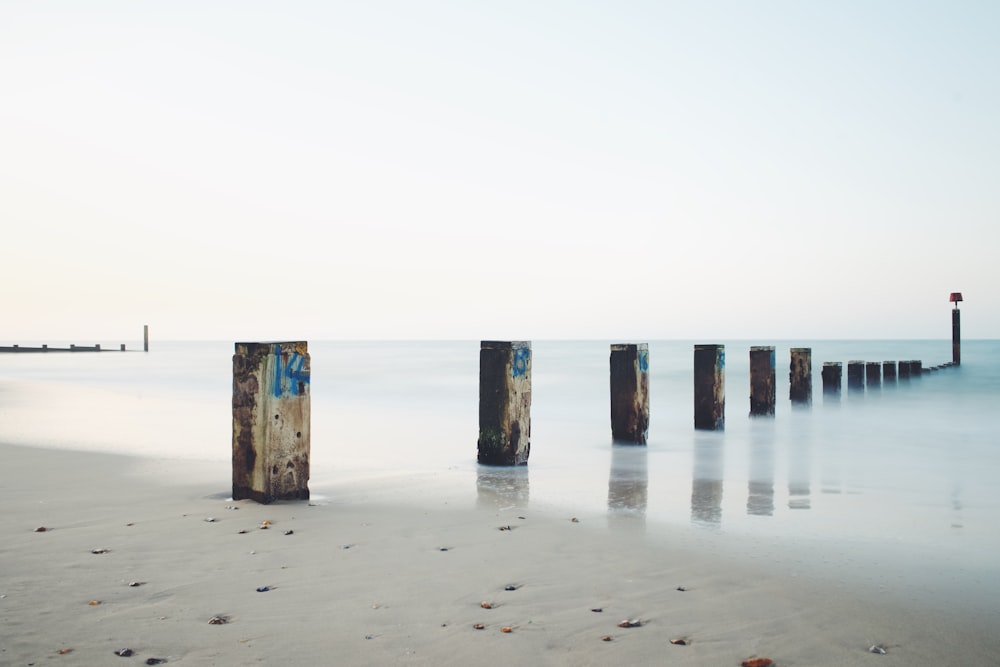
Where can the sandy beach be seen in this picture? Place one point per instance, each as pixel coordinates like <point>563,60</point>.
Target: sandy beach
<point>381,573</point>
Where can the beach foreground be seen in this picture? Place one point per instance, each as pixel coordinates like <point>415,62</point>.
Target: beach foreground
<point>380,573</point>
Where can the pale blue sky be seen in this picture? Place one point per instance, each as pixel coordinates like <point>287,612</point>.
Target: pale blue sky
<point>625,170</point>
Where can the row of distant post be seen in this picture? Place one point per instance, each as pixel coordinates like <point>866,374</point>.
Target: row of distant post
<point>271,409</point>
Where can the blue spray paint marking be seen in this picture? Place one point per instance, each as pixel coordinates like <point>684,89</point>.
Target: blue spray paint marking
<point>643,361</point>
<point>288,377</point>
<point>522,357</point>
<point>722,359</point>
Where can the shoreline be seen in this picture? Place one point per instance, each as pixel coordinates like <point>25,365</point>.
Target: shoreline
<point>377,574</point>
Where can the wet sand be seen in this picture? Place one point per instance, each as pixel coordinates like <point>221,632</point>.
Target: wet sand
<point>381,573</point>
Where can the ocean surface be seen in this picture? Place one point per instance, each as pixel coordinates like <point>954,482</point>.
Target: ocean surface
<point>895,487</point>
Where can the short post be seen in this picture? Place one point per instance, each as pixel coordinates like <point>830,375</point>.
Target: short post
<point>762,384</point>
<point>855,376</point>
<point>889,372</point>
<point>904,370</point>
<point>271,442</point>
<point>832,371</point>
<point>873,375</point>
<point>504,402</point>
<point>145,338</point>
<point>710,387</point>
<point>630,393</point>
<point>956,329</point>
<point>123,347</point>
<point>916,368</point>
<point>800,389</point>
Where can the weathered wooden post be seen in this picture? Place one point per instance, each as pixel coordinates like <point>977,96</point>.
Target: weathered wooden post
<point>630,393</point>
<point>710,387</point>
<point>504,402</point>
<point>904,370</point>
<point>873,375</point>
<point>831,378</point>
<point>145,338</point>
<point>916,368</point>
<point>889,372</point>
<point>800,381</point>
<point>762,384</point>
<point>855,375</point>
<point>271,421</point>
<point>956,329</point>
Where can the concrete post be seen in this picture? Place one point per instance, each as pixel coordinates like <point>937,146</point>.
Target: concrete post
<point>831,378</point>
<point>904,370</point>
<point>956,336</point>
<point>710,387</point>
<point>855,376</point>
<point>271,414</point>
<point>762,383</point>
<point>630,393</point>
<point>800,387</point>
<point>873,375</point>
<point>504,402</point>
<point>889,372</point>
<point>145,338</point>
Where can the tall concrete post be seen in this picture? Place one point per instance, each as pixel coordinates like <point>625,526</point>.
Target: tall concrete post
<point>956,329</point>
<point>855,376</point>
<point>873,375</point>
<point>630,393</point>
<point>800,381</point>
<point>762,382</point>
<point>504,402</point>
<point>271,421</point>
<point>145,338</point>
<point>832,371</point>
<point>710,387</point>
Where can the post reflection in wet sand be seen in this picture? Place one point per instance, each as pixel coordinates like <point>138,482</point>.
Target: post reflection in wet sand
<point>760,482</point>
<point>800,467</point>
<point>502,487</point>
<point>706,478</point>
<point>628,481</point>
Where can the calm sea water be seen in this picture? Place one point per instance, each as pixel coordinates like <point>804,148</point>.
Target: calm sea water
<point>896,486</point>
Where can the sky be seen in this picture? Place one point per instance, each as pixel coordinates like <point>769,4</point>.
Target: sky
<point>635,170</point>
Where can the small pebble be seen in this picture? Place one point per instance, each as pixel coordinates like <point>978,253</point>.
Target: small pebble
<point>486,605</point>
<point>510,587</point>
<point>443,549</point>
<point>134,584</point>
<point>263,589</point>
<point>479,626</point>
<point>878,648</point>
<point>265,524</point>
<point>506,629</point>
<point>210,519</point>
<point>41,529</point>
<point>218,620</point>
<point>124,652</point>
<point>64,651</point>
<point>242,532</point>
<point>630,623</point>
<point>757,662</point>
<point>94,603</point>
<point>597,609</point>
<point>681,589</point>
<point>101,550</point>
<point>289,532</point>
<point>679,642</point>
<point>606,638</point>
<point>158,661</point>
<point>575,520</point>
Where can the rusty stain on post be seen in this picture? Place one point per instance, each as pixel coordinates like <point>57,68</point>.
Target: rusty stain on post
<point>504,402</point>
<point>710,387</point>
<point>629,392</point>
<point>762,381</point>
<point>271,416</point>
<point>800,376</point>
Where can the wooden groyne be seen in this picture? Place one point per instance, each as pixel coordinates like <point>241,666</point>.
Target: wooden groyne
<point>72,348</point>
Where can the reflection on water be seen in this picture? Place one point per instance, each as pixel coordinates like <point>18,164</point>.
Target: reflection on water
<point>629,479</point>
<point>760,483</point>
<point>706,478</point>
<point>799,472</point>
<point>501,487</point>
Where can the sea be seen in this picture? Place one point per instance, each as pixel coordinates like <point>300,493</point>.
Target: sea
<point>895,487</point>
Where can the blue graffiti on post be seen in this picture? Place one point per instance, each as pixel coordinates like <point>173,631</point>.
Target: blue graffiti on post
<point>289,377</point>
<point>522,357</point>
<point>643,361</point>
